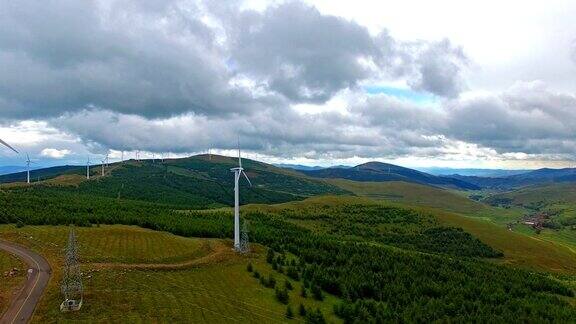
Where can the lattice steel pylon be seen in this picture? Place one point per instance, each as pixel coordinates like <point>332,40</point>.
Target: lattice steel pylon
<point>72,278</point>
<point>244,245</point>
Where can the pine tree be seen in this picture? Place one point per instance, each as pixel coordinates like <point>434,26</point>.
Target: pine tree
<point>289,313</point>
<point>302,310</point>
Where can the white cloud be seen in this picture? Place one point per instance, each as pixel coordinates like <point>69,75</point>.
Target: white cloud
<point>54,153</point>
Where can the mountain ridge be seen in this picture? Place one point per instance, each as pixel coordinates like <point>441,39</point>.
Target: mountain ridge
<point>379,172</point>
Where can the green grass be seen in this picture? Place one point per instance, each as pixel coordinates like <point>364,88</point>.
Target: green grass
<point>520,249</point>
<point>420,195</point>
<point>127,244</point>
<point>550,251</point>
<point>8,284</point>
<point>220,290</point>
<point>354,261</point>
<point>558,200</point>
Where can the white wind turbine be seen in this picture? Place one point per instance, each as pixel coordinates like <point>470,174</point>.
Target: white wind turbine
<point>28,168</point>
<point>238,172</point>
<point>104,163</point>
<point>88,168</point>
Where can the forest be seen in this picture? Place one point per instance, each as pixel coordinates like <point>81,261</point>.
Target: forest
<point>384,274</point>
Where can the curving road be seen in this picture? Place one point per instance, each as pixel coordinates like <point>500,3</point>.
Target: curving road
<point>22,307</point>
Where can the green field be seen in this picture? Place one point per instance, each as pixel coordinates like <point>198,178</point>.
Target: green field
<point>557,200</point>
<point>172,279</point>
<point>552,250</point>
<point>399,252</point>
<point>420,195</point>
<point>8,283</point>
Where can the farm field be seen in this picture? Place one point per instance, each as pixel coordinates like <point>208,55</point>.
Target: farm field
<point>8,283</point>
<point>196,280</point>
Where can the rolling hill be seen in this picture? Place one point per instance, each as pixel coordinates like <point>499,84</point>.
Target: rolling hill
<point>536,177</point>
<point>194,182</point>
<point>556,199</point>
<point>42,174</point>
<point>380,172</point>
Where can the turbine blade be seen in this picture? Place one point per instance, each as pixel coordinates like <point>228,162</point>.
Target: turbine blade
<point>8,146</point>
<point>246,176</point>
<point>239,154</point>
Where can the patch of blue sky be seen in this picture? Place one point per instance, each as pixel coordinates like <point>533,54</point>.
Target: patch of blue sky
<point>416,97</point>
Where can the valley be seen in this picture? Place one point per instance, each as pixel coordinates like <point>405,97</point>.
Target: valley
<point>160,232</point>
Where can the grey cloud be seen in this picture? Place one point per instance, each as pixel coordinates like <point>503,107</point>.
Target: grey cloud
<point>299,52</point>
<point>526,118</point>
<point>77,54</point>
<point>438,69</point>
<point>308,57</point>
<point>162,59</point>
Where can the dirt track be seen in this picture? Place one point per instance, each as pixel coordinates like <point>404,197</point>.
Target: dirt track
<point>22,307</point>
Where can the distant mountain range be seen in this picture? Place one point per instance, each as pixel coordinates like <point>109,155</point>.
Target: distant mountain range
<point>308,168</point>
<point>536,177</point>
<point>378,172</point>
<point>493,173</point>
<point>11,169</point>
<point>367,172</point>
<point>40,174</point>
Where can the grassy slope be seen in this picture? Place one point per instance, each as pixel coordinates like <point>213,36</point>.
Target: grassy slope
<point>219,290</point>
<point>195,182</point>
<point>557,199</point>
<point>520,248</point>
<point>420,195</point>
<point>9,283</point>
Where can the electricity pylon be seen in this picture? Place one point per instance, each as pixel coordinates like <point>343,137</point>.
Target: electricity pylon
<point>72,279</point>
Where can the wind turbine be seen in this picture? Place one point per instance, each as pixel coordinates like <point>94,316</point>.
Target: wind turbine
<point>238,172</point>
<point>8,146</point>
<point>122,157</point>
<point>104,162</point>
<point>88,168</point>
<point>28,168</point>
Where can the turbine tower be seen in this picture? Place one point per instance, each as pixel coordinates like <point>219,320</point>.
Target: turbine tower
<point>238,172</point>
<point>104,164</point>
<point>8,146</point>
<point>88,168</point>
<point>28,168</point>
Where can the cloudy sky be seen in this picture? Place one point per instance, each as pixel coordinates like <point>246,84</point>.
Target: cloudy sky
<point>319,82</point>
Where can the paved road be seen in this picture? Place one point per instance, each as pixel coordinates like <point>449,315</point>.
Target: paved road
<point>22,307</point>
